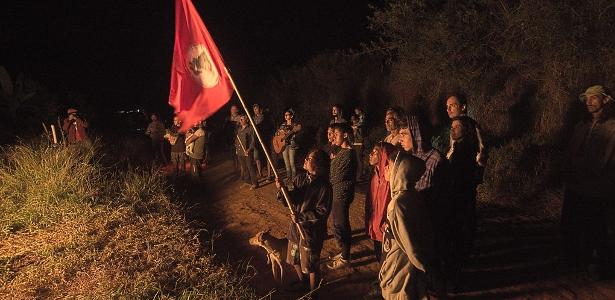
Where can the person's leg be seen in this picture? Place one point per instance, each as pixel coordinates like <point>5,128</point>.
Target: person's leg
<point>242,164</point>
<point>249,165</point>
<point>175,163</point>
<point>341,222</point>
<point>291,158</point>
<point>378,250</point>
<point>347,230</point>
<point>257,160</point>
<point>286,156</point>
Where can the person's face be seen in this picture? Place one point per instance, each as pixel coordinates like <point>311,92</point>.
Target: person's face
<point>234,110</point>
<point>176,121</point>
<point>330,135</point>
<point>405,139</point>
<point>389,122</point>
<point>457,130</point>
<point>257,110</point>
<point>154,118</point>
<point>309,164</point>
<point>243,121</point>
<point>594,103</point>
<point>334,111</point>
<point>339,137</point>
<point>72,116</point>
<point>374,156</point>
<point>357,111</point>
<point>288,116</point>
<point>453,107</point>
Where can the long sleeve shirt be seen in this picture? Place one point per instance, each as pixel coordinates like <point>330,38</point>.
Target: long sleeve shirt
<point>311,201</point>
<point>244,140</point>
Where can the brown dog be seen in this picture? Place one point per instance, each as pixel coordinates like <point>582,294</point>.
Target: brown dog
<point>276,252</point>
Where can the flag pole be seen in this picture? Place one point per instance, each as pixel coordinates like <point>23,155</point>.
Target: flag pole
<point>260,140</point>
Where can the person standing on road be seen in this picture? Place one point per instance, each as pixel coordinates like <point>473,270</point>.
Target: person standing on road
<point>589,178</point>
<point>408,235</point>
<point>342,176</point>
<point>244,147</point>
<point>290,128</point>
<point>378,195</point>
<point>75,127</point>
<point>156,131</point>
<point>465,175</point>
<point>178,147</point>
<point>195,148</point>
<point>311,203</point>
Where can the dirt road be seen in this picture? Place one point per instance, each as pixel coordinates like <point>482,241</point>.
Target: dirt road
<point>516,255</point>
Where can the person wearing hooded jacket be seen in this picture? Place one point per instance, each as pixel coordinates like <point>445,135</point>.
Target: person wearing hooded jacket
<point>378,195</point>
<point>408,236</point>
<point>433,186</point>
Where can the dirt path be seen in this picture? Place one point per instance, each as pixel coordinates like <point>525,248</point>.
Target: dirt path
<point>516,257</point>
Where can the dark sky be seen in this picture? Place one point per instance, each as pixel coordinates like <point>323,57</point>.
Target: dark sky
<point>120,52</point>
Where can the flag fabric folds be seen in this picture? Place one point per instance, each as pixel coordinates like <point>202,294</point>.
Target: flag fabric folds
<point>200,85</point>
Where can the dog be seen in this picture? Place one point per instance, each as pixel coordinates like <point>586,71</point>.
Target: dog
<point>276,252</point>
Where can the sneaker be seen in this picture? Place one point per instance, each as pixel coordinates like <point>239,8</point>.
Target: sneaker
<point>338,263</point>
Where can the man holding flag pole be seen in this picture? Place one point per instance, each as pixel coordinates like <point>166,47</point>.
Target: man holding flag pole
<point>200,83</point>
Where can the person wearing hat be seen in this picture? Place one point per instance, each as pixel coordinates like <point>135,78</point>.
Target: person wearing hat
<point>75,127</point>
<point>589,181</point>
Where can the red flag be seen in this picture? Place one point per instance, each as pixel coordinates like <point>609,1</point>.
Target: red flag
<point>199,82</point>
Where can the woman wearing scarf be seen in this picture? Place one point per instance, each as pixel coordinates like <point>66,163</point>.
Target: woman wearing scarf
<point>408,235</point>
<point>378,195</point>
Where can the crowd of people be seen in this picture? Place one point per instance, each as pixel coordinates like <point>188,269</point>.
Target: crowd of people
<point>420,206</point>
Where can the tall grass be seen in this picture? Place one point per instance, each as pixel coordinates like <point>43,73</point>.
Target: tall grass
<point>71,229</point>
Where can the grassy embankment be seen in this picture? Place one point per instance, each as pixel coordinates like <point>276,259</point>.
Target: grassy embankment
<point>70,228</point>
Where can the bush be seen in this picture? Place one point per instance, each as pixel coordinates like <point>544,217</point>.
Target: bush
<point>72,229</point>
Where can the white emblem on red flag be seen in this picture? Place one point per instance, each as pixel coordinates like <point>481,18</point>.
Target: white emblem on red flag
<point>201,66</point>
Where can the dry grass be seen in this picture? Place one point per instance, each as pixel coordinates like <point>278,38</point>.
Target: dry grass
<point>72,230</point>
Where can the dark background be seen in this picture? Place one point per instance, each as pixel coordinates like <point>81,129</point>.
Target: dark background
<point>120,52</point>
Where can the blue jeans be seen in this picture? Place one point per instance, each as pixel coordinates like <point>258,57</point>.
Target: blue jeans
<point>289,162</point>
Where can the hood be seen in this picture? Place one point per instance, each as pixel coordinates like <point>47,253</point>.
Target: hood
<point>420,146</point>
<point>386,150</point>
<point>399,179</point>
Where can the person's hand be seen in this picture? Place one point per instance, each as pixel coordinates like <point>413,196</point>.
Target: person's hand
<point>278,183</point>
<point>384,226</point>
<point>293,217</point>
<point>245,153</point>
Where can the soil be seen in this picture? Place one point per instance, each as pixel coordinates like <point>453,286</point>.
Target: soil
<point>516,255</point>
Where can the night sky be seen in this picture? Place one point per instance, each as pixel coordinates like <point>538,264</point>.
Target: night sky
<point>120,52</point>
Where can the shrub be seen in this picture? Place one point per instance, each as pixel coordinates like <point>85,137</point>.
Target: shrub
<point>72,229</point>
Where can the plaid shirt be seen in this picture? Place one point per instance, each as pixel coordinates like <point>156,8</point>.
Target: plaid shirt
<point>432,157</point>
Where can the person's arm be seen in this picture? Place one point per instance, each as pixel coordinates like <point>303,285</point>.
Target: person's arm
<point>321,212</point>
<point>81,122</point>
<point>190,138</point>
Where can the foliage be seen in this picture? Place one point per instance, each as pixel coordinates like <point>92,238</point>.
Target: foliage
<point>521,63</point>
<point>72,229</point>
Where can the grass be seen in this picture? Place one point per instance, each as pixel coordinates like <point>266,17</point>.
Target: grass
<point>73,229</point>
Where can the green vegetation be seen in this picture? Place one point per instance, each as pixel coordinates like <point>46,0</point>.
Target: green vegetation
<point>73,229</point>
<point>522,65</point>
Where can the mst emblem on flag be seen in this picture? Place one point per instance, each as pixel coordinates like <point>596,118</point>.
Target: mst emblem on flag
<point>201,66</point>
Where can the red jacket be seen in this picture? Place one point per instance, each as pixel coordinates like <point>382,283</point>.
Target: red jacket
<point>378,196</point>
